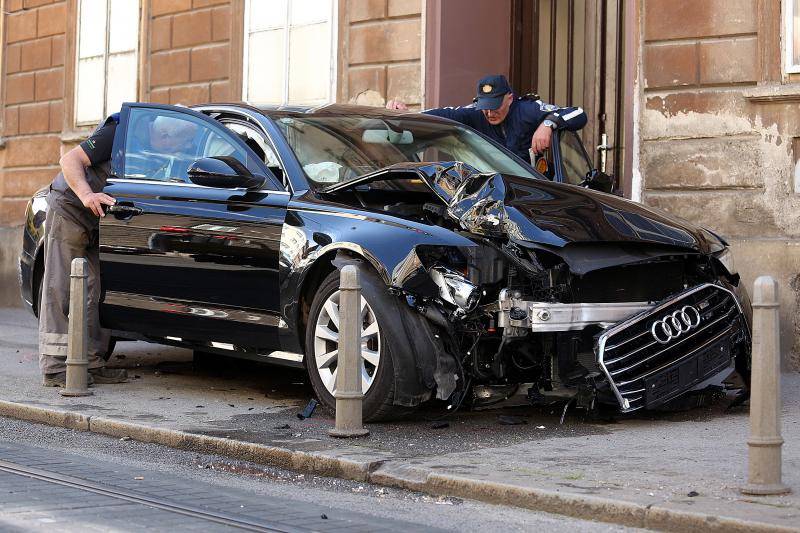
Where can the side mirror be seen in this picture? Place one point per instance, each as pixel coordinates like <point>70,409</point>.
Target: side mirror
<point>225,172</point>
<point>598,181</point>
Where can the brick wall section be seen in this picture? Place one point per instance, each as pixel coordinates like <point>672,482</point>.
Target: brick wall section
<point>384,50</point>
<point>34,92</point>
<point>190,51</point>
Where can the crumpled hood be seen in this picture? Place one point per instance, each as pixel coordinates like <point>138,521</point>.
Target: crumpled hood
<point>554,214</point>
<point>531,211</point>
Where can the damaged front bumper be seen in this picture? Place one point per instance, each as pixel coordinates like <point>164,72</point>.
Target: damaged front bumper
<point>672,348</point>
<point>554,316</point>
<point>645,354</point>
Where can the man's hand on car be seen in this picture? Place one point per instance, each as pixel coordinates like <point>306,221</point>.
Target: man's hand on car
<point>541,139</point>
<point>95,201</point>
<point>397,105</point>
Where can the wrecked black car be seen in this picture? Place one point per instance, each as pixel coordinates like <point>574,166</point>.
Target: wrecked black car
<point>478,273</point>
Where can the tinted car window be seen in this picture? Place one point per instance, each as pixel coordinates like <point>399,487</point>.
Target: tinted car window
<point>573,158</point>
<point>161,145</point>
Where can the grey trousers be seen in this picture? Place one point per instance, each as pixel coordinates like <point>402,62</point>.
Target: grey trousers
<point>64,241</point>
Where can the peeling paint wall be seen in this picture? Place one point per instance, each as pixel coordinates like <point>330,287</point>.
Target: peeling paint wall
<point>716,137</point>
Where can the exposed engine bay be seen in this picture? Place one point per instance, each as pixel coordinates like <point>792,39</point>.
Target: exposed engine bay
<point>585,303</point>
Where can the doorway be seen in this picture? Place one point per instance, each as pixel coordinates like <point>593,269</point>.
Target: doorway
<point>573,52</point>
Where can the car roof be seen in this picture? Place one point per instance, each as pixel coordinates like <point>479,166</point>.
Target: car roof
<point>278,111</point>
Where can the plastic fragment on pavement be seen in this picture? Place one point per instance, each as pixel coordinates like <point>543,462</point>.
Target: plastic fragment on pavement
<point>309,410</point>
<point>507,420</point>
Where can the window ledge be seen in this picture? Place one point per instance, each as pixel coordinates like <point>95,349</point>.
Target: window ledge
<point>75,136</point>
<point>767,94</point>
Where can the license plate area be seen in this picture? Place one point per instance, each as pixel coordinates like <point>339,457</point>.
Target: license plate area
<point>671,381</point>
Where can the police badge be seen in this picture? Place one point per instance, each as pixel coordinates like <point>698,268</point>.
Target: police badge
<point>486,89</point>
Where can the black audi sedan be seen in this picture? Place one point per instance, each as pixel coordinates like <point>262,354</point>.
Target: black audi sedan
<point>479,273</point>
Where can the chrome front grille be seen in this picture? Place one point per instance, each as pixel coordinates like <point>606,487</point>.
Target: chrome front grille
<point>628,353</point>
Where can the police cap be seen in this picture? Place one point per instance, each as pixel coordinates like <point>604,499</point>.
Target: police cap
<point>491,90</point>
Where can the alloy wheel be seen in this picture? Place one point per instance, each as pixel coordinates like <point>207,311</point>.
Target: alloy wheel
<point>326,343</point>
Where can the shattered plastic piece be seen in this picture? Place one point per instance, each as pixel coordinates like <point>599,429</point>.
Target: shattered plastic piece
<point>440,425</point>
<point>507,420</point>
<point>693,493</point>
<point>309,410</point>
<point>540,427</point>
<point>125,438</point>
<point>323,516</point>
<point>284,426</point>
<point>139,478</point>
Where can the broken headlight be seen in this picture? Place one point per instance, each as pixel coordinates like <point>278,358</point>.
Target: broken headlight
<point>455,288</point>
<point>726,258</point>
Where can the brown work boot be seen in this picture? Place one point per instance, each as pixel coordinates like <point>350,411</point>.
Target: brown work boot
<point>109,375</point>
<point>59,379</point>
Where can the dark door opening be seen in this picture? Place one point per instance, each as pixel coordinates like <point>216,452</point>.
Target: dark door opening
<point>571,52</point>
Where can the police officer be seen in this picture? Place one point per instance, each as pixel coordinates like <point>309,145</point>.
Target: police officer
<point>75,203</point>
<point>519,123</point>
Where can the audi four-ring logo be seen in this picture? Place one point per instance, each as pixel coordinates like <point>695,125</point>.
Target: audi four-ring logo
<point>674,325</point>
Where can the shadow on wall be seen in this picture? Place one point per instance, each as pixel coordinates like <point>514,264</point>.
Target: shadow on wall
<point>10,246</point>
<point>755,257</point>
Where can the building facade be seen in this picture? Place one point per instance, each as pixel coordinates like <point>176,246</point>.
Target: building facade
<point>696,114</point>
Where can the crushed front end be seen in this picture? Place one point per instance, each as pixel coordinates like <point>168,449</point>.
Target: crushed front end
<point>579,298</point>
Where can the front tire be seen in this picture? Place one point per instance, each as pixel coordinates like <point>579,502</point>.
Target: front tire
<point>377,340</point>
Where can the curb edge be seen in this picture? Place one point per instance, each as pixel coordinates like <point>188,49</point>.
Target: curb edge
<point>565,504</point>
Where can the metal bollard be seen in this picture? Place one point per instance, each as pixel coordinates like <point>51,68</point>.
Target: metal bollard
<point>77,358</point>
<point>764,466</point>
<point>348,377</point>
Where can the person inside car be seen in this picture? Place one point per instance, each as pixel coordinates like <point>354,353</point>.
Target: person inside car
<point>76,202</point>
<point>521,124</point>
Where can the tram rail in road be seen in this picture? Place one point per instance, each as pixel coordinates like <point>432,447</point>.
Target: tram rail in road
<point>142,499</point>
<point>68,492</point>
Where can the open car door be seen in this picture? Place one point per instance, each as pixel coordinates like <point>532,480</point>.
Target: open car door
<point>571,163</point>
<point>183,260</point>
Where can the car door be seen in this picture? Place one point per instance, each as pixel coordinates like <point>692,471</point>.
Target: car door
<point>572,164</point>
<point>181,260</point>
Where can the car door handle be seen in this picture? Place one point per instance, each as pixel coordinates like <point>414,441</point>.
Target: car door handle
<point>123,210</point>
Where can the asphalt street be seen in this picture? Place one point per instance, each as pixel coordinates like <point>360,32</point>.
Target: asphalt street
<point>245,494</point>
<point>692,461</point>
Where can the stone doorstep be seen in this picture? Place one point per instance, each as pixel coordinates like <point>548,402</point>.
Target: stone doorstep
<point>381,468</point>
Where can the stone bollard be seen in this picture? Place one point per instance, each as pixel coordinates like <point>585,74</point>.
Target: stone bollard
<point>77,358</point>
<point>764,468</point>
<point>348,376</point>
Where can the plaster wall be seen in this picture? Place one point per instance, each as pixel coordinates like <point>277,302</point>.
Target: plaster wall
<point>717,129</point>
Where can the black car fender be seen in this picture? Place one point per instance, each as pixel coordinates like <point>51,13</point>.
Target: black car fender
<point>312,239</point>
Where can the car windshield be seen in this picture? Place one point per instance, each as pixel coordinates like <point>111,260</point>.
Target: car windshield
<point>335,149</point>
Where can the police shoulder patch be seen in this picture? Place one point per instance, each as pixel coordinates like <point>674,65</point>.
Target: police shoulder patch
<point>548,107</point>
<point>90,142</point>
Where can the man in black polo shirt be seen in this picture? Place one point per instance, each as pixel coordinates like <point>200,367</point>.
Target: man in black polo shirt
<point>75,203</point>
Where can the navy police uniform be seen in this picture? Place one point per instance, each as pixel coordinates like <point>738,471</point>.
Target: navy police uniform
<point>524,116</point>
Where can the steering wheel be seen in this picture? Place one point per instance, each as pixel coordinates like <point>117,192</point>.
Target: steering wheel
<point>147,165</point>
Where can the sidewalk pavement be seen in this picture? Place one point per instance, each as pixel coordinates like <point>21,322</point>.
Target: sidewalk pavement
<point>636,471</point>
